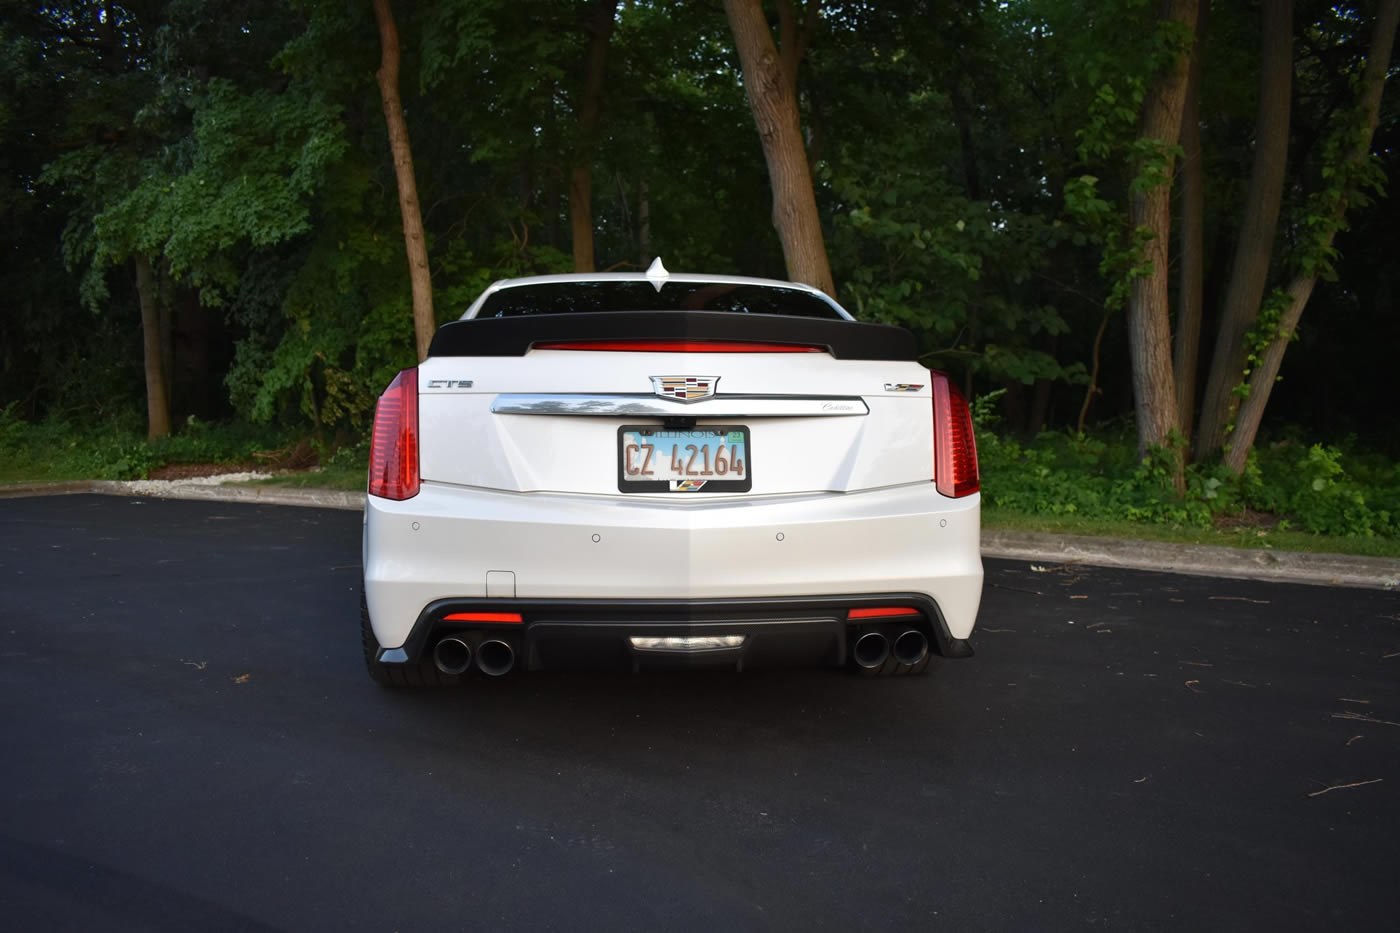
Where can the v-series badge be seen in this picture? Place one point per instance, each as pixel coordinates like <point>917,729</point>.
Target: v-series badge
<point>449,383</point>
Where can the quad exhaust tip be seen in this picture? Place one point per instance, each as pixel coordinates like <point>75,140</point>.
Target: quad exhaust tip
<point>911,647</point>
<point>495,657</point>
<point>871,650</point>
<point>452,655</point>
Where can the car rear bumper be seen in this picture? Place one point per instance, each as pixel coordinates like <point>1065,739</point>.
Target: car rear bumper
<point>560,634</point>
<point>481,547</point>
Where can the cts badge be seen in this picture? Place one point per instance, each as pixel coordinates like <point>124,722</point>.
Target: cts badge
<point>449,383</point>
<point>684,388</point>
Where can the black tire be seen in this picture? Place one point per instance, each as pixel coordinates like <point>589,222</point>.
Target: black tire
<point>421,674</point>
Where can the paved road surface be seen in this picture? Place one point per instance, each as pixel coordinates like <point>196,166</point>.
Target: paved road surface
<point>191,744</point>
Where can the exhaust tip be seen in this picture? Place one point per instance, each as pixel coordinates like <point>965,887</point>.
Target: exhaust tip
<point>910,647</point>
<point>871,650</point>
<point>495,658</point>
<point>452,655</point>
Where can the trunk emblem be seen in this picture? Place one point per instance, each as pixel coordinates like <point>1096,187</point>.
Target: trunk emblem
<point>684,388</point>
<point>903,386</point>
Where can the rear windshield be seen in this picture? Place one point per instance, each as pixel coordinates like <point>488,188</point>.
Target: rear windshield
<point>587,297</point>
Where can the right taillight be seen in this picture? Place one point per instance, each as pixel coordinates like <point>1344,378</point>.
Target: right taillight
<point>393,457</point>
<point>954,448</point>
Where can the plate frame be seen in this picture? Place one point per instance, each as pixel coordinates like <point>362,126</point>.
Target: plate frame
<point>713,485</point>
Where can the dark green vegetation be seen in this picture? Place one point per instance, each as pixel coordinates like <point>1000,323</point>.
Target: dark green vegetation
<point>1293,496</point>
<point>54,450</point>
<point>207,192</point>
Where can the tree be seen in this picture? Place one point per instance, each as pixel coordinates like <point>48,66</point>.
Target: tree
<point>103,147</point>
<point>157,385</point>
<point>1345,181</point>
<point>1149,323</point>
<point>599,26</point>
<point>1258,224</point>
<point>1191,275</point>
<point>420,278</point>
<point>770,84</point>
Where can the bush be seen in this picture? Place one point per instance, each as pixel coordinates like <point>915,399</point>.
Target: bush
<point>58,450</point>
<point>1322,490</point>
<point>1317,493</point>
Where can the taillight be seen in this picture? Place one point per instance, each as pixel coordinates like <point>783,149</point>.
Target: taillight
<point>681,346</point>
<point>393,457</point>
<point>954,448</point>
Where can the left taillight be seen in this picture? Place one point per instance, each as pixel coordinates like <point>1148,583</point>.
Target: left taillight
<point>954,447</point>
<point>393,458</point>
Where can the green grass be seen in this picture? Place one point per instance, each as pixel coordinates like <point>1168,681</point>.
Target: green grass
<point>29,466</point>
<point>350,478</point>
<point>1255,538</point>
<point>57,451</point>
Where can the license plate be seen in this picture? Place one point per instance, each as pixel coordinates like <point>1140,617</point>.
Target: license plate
<point>708,458</point>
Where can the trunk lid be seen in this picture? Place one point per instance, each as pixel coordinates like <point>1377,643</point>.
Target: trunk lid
<point>558,420</point>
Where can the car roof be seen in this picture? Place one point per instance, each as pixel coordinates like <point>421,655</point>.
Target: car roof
<point>657,275</point>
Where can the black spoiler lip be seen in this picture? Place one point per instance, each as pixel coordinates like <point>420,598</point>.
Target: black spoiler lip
<point>514,336</point>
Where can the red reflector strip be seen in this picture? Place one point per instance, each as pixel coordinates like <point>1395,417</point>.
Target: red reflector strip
<point>881,612</point>
<point>483,617</point>
<point>681,346</point>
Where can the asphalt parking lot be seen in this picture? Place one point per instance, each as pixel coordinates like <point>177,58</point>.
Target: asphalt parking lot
<point>191,743</point>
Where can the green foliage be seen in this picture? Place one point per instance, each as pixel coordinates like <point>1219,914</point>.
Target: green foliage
<point>1100,479</point>
<point>58,450</point>
<point>1266,329</point>
<point>1083,476</point>
<point>1320,495</point>
<point>1345,182</point>
<point>904,232</point>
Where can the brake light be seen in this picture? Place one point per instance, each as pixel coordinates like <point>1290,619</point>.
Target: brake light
<point>954,447</point>
<point>393,458</point>
<point>682,346</point>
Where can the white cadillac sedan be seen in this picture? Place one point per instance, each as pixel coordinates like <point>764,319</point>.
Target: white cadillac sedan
<point>648,470</point>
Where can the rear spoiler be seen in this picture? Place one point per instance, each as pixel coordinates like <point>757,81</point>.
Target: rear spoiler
<point>514,336</point>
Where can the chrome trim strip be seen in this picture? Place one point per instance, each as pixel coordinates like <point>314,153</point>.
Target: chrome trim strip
<point>649,406</point>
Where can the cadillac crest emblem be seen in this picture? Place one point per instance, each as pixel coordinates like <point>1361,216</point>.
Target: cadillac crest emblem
<point>684,388</point>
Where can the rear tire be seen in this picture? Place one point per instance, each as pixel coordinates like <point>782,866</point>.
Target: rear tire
<point>413,674</point>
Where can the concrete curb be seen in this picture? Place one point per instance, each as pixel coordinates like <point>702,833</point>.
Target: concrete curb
<point>263,495</point>
<point>1194,559</point>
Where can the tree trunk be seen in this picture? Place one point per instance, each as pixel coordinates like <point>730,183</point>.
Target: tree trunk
<point>1250,273</point>
<point>590,104</point>
<point>962,119</point>
<point>1191,272</point>
<point>644,222</point>
<point>769,85</point>
<point>1093,388</point>
<point>1261,380</point>
<point>1149,315</point>
<point>418,273</point>
<point>165,306</point>
<point>157,406</point>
